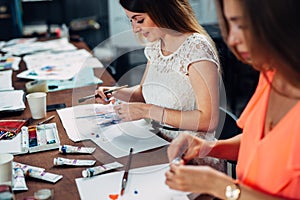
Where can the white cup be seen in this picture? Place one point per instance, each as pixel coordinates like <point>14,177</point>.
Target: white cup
<point>37,104</point>
<point>6,168</point>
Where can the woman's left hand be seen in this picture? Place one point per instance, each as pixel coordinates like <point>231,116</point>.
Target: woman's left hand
<point>132,111</point>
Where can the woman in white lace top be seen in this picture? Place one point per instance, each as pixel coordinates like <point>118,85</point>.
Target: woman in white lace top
<point>180,86</point>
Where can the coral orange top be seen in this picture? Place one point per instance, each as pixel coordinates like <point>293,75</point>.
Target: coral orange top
<point>272,163</point>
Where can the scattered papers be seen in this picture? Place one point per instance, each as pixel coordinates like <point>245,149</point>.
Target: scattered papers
<point>12,100</point>
<point>6,80</point>
<point>83,78</point>
<point>19,47</point>
<point>9,62</point>
<point>145,183</point>
<point>82,123</point>
<point>53,66</point>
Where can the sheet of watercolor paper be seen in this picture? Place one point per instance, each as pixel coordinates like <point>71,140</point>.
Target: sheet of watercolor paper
<point>12,100</point>
<point>54,66</point>
<point>100,124</point>
<point>6,80</point>
<point>117,139</point>
<point>146,183</point>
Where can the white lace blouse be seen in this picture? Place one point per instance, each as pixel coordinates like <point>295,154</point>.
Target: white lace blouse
<point>167,83</point>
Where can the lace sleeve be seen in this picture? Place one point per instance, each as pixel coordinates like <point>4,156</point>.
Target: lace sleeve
<point>199,48</point>
<point>149,51</point>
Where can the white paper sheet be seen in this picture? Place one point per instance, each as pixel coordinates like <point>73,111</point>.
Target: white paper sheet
<point>12,100</point>
<point>6,80</point>
<point>82,122</point>
<point>147,183</point>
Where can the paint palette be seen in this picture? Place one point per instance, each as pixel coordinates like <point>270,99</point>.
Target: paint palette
<point>39,138</point>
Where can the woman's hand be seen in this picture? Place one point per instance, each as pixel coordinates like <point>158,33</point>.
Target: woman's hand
<point>101,97</point>
<point>188,178</point>
<point>188,147</point>
<point>132,111</point>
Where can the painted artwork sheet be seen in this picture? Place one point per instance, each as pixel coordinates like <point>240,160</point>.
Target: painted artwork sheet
<point>100,123</point>
<point>146,183</point>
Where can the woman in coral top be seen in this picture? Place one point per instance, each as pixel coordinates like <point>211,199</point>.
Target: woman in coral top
<point>264,34</point>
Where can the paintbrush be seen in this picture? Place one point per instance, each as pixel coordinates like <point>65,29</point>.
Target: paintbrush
<point>82,99</point>
<point>125,175</point>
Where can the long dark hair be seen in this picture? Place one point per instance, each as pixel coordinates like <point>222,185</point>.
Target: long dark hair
<point>273,33</point>
<point>275,30</point>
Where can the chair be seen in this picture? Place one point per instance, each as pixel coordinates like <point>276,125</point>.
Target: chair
<point>227,128</point>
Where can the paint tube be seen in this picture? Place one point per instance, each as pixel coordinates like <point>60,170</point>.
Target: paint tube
<point>73,162</point>
<point>25,168</point>
<point>46,176</point>
<point>19,183</point>
<point>64,149</point>
<point>93,171</point>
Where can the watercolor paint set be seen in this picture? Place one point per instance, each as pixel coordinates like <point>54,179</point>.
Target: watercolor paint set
<point>39,138</point>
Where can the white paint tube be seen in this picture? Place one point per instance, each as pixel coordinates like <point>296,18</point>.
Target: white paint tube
<point>19,183</point>
<point>65,149</point>
<point>73,162</point>
<point>93,171</point>
<point>46,176</point>
<point>25,167</point>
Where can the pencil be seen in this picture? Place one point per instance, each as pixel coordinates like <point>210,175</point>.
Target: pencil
<point>125,175</point>
<point>82,99</point>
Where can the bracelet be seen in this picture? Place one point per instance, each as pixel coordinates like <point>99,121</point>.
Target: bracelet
<point>162,116</point>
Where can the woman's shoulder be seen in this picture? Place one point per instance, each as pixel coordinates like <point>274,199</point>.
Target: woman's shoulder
<point>152,49</point>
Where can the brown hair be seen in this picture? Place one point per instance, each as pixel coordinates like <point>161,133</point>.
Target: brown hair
<point>165,14</point>
<point>273,33</point>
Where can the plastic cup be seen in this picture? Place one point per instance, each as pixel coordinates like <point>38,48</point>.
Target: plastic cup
<point>6,168</point>
<point>37,104</point>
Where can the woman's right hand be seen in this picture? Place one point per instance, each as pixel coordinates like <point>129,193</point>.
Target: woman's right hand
<point>101,97</point>
<point>187,147</point>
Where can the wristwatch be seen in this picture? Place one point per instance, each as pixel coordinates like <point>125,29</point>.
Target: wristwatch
<point>232,191</point>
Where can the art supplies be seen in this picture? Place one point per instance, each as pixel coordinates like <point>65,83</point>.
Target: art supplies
<point>72,162</point>
<point>19,183</point>
<point>105,92</point>
<point>66,149</point>
<point>125,175</point>
<point>40,138</point>
<point>10,128</point>
<point>25,167</point>
<point>46,176</point>
<point>93,171</point>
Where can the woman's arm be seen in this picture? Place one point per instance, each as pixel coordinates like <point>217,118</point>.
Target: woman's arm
<point>204,78</point>
<point>205,180</point>
<point>226,149</point>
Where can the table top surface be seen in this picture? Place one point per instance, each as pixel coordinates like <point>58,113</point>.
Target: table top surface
<point>66,188</point>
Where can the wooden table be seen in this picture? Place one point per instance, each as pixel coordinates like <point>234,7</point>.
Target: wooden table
<point>66,188</point>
